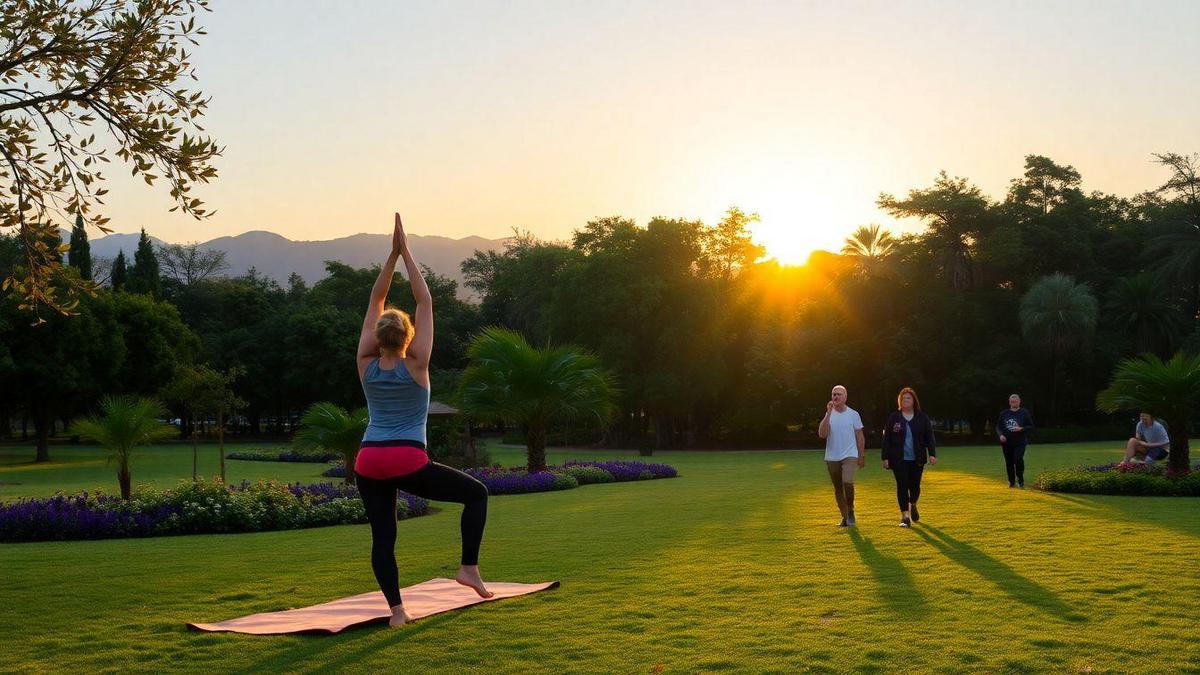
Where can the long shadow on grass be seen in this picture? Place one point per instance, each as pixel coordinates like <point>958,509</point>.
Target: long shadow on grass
<point>1143,511</point>
<point>1018,587</point>
<point>306,653</point>
<point>896,585</point>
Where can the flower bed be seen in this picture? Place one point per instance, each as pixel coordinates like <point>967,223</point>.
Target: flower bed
<point>279,455</point>
<point>1115,479</point>
<point>191,508</point>
<point>516,480</point>
<point>622,470</point>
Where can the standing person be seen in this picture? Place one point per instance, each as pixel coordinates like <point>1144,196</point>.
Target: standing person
<point>845,450</point>
<point>907,445</point>
<point>1012,428</point>
<point>1150,442</point>
<point>393,366</point>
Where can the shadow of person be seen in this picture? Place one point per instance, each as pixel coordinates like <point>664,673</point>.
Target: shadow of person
<point>896,586</point>
<point>1018,587</point>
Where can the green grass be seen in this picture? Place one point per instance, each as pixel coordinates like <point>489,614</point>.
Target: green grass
<point>86,467</point>
<point>734,566</point>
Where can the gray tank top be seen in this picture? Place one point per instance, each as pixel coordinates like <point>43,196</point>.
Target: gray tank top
<point>398,406</point>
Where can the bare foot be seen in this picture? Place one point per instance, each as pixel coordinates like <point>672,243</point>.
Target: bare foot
<point>399,617</point>
<point>468,575</point>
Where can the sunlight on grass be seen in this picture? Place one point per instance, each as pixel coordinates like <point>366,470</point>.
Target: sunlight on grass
<point>736,565</point>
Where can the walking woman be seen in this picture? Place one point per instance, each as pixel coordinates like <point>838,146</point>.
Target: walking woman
<point>907,445</point>
<point>393,366</point>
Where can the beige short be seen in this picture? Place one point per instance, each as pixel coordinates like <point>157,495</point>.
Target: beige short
<point>843,470</point>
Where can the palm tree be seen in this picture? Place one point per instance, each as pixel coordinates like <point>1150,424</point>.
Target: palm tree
<point>1141,308</point>
<point>1177,254</point>
<point>510,380</point>
<point>870,246</point>
<point>1168,389</point>
<point>328,427</point>
<point>1057,315</point>
<point>124,423</point>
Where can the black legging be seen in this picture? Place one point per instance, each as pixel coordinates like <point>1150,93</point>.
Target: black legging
<point>433,481</point>
<point>1014,462</point>
<point>908,482</point>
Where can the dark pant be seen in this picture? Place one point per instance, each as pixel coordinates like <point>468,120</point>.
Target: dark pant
<point>908,482</point>
<point>1014,462</point>
<point>434,481</point>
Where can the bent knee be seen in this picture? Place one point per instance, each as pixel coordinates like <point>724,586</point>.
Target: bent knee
<point>478,492</point>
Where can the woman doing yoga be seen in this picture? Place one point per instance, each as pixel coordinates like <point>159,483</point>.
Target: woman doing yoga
<point>393,366</point>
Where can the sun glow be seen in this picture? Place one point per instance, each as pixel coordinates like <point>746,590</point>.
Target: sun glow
<point>791,229</point>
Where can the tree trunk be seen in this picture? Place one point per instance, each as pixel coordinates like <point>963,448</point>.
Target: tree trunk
<point>1179,460</point>
<point>195,454</point>
<point>535,444</point>
<point>123,479</point>
<point>348,458</point>
<point>662,431</point>
<point>1054,389</point>
<point>42,423</point>
<point>221,442</point>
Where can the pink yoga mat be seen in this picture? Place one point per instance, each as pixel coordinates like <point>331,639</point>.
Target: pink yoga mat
<point>424,599</point>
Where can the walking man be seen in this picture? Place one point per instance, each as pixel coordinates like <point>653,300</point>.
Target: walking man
<point>845,450</point>
<point>1012,428</point>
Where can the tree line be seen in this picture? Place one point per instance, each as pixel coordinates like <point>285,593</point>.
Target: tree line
<point>1041,292</point>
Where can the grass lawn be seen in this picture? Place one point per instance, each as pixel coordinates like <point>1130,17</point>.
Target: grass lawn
<point>734,566</point>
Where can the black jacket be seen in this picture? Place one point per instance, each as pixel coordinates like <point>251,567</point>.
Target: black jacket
<point>893,438</point>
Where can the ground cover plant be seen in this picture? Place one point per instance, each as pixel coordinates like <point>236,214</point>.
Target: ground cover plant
<point>1115,478</point>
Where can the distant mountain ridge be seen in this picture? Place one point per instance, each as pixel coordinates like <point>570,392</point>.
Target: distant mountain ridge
<point>275,256</point>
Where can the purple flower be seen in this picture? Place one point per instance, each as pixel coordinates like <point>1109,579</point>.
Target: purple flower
<point>623,470</point>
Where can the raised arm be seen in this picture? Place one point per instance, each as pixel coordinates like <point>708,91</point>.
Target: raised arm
<point>368,345</point>
<point>422,343</point>
<point>823,427</point>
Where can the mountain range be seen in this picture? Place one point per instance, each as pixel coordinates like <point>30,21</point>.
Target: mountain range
<point>275,256</point>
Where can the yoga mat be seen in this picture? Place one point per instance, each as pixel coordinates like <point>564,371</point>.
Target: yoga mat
<point>424,599</point>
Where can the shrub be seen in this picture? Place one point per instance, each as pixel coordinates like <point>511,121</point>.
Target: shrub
<point>199,507</point>
<point>284,455</point>
<point>1114,479</point>
<point>625,470</point>
<point>586,475</point>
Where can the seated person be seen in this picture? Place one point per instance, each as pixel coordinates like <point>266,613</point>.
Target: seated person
<point>1149,443</point>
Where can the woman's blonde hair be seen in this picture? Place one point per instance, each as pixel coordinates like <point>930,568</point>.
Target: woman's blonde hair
<point>394,331</point>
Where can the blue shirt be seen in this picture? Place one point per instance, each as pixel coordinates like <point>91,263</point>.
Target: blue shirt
<point>397,404</point>
<point>909,454</point>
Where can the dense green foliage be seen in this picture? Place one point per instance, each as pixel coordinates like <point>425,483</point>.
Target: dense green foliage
<point>1042,292</point>
<point>1115,479</point>
<point>991,297</point>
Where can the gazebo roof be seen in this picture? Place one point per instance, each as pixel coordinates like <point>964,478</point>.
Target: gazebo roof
<point>439,409</point>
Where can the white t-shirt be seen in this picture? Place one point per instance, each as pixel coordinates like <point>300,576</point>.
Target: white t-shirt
<point>842,442</point>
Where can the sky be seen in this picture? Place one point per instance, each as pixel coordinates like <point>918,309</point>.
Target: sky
<point>477,118</point>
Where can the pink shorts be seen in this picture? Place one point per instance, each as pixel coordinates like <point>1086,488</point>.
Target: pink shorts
<point>389,461</point>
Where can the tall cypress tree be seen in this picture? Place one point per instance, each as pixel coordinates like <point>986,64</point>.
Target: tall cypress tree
<point>119,272</point>
<point>143,278</point>
<point>81,250</point>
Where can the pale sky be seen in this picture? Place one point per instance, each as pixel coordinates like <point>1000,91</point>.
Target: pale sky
<point>475,118</point>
